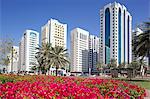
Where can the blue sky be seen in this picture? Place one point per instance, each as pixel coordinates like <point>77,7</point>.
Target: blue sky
<point>18,15</point>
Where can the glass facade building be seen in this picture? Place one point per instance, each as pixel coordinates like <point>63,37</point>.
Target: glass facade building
<point>115,34</point>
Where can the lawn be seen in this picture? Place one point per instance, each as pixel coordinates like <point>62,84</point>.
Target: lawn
<point>142,83</point>
<point>145,83</point>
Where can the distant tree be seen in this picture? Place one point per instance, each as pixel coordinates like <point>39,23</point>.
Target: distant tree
<point>34,68</point>
<point>122,65</point>
<point>134,65</point>
<point>112,64</point>
<point>6,45</point>
<point>100,66</point>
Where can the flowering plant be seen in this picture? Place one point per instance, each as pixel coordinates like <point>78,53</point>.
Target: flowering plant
<point>50,87</point>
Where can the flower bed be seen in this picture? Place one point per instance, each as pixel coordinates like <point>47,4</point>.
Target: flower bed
<point>68,87</point>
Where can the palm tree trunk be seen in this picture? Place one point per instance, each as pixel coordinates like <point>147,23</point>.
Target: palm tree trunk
<point>56,70</point>
<point>149,59</point>
<point>141,66</point>
<point>48,71</point>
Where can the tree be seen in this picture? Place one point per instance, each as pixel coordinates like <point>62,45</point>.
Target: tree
<point>34,68</point>
<point>5,48</point>
<point>141,46</point>
<point>100,66</point>
<point>44,57</point>
<point>112,64</point>
<point>59,57</point>
<point>134,65</point>
<point>5,61</point>
<point>122,65</point>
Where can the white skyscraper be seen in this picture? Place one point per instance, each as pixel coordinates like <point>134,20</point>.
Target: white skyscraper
<point>55,33</point>
<point>79,50</point>
<point>14,59</point>
<point>93,52</point>
<point>115,34</point>
<point>27,50</point>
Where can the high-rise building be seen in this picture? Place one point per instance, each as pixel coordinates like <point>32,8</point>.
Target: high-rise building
<point>27,50</point>
<point>115,34</point>
<point>14,59</point>
<point>79,50</point>
<point>55,33</point>
<point>93,52</point>
<point>84,51</point>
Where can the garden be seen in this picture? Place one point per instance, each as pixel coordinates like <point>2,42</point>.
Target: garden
<point>57,87</point>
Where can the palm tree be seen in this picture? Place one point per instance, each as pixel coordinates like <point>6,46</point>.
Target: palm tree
<point>141,45</point>
<point>59,57</point>
<point>43,57</point>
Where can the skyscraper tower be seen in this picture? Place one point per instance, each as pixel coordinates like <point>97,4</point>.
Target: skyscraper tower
<point>93,52</point>
<point>79,50</point>
<point>55,33</point>
<point>84,51</point>
<point>115,34</point>
<point>27,50</point>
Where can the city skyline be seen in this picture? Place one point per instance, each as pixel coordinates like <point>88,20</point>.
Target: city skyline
<point>16,17</point>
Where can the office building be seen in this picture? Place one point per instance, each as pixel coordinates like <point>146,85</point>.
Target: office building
<point>84,51</point>
<point>55,33</point>
<point>27,50</point>
<point>79,50</point>
<point>115,34</point>
<point>13,60</point>
<point>93,52</point>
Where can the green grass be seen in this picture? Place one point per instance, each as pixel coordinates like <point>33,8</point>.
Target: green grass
<point>142,83</point>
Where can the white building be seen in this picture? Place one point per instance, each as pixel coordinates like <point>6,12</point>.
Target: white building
<point>55,33</point>
<point>115,34</point>
<point>137,32</point>
<point>79,50</point>
<point>93,52</point>
<point>27,50</point>
<point>14,59</point>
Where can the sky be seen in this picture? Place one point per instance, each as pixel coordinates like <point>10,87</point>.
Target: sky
<point>18,15</point>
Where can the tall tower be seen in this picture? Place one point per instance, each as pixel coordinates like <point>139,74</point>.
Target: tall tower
<point>115,34</point>
<point>79,50</point>
<point>27,50</point>
<point>55,33</point>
